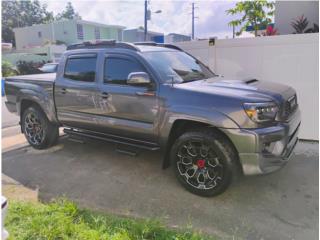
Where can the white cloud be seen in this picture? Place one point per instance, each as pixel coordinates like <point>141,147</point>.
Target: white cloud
<point>175,15</point>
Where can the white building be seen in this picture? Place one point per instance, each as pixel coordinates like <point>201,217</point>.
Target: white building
<point>175,37</point>
<point>287,11</point>
<point>65,31</point>
<point>137,35</point>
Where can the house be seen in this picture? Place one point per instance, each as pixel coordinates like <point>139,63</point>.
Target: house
<point>287,11</point>
<point>137,35</point>
<point>175,37</point>
<point>65,31</point>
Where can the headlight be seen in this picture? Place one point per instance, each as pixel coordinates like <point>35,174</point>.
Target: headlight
<point>261,112</point>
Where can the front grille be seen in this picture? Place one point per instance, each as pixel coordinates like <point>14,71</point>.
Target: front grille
<point>290,106</point>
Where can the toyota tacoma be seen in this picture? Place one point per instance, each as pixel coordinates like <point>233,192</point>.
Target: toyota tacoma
<point>158,97</point>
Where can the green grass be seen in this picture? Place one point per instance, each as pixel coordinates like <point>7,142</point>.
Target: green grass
<point>62,219</point>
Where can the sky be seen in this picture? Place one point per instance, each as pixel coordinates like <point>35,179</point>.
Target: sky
<point>175,15</point>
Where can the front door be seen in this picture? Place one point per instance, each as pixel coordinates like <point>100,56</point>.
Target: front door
<point>129,111</point>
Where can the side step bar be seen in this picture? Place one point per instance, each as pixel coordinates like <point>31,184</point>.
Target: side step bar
<point>113,138</point>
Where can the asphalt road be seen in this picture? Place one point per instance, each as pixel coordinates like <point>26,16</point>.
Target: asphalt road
<point>282,205</point>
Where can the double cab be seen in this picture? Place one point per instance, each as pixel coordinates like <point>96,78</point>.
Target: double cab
<point>158,97</point>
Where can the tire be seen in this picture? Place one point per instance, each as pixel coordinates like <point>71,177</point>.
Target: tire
<point>38,130</point>
<point>204,162</point>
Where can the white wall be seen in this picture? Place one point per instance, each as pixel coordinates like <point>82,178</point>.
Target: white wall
<point>287,11</point>
<point>28,36</point>
<point>287,59</point>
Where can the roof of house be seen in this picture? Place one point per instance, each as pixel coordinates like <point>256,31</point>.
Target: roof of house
<point>100,24</point>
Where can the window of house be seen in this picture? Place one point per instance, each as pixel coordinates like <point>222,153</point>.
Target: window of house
<point>39,34</point>
<point>117,69</point>
<point>80,31</point>
<point>81,68</point>
<point>97,32</point>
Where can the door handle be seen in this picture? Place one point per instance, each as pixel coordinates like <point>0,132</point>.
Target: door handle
<point>64,90</point>
<point>104,95</point>
<point>148,94</point>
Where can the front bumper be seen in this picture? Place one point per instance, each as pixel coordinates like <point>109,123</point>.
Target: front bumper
<point>267,149</point>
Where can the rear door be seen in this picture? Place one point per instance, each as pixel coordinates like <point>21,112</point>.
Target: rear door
<point>75,91</point>
<point>129,111</point>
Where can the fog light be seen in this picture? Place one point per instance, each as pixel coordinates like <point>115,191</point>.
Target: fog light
<point>275,148</point>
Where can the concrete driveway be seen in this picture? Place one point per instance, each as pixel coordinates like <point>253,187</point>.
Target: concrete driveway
<point>282,205</point>
<point>8,119</point>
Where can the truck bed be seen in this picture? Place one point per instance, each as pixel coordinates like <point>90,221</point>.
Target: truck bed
<point>37,88</point>
<point>46,77</point>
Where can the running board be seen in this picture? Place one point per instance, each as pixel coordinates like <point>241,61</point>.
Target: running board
<point>113,138</point>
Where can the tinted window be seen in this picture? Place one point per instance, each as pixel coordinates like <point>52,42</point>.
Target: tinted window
<point>178,65</point>
<point>116,70</point>
<point>81,69</point>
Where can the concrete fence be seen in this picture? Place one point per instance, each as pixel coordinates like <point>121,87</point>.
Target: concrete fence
<point>288,59</point>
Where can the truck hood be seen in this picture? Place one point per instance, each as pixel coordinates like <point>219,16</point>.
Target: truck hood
<point>246,90</point>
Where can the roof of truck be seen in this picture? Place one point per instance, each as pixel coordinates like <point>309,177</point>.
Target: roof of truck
<point>154,49</point>
<point>139,46</point>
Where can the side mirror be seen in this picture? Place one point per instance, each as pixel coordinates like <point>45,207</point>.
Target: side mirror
<point>138,79</point>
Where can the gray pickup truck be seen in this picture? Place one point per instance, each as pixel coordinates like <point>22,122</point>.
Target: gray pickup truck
<point>158,97</point>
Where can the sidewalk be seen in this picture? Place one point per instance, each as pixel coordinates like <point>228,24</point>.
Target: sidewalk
<point>8,119</point>
<point>14,190</point>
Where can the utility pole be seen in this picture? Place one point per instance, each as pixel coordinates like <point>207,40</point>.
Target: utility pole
<point>192,21</point>
<point>193,18</point>
<point>145,19</point>
<point>233,31</point>
<point>147,16</point>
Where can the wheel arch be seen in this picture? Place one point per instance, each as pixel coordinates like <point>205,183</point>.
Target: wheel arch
<point>181,126</point>
<point>23,102</point>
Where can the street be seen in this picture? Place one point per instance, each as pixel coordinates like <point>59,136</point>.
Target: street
<point>282,205</point>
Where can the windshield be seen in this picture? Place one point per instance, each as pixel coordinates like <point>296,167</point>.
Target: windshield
<point>178,66</point>
<point>49,68</point>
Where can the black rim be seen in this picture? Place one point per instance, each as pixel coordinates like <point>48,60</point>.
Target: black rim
<point>199,165</point>
<point>33,129</point>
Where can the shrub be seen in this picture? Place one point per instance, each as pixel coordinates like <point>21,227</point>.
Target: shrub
<point>7,69</point>
<point>29,67</point>
<point>300,24</point>
<point>270,31</point>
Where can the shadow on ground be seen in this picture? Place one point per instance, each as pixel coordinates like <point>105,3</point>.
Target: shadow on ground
<point>282,205</point>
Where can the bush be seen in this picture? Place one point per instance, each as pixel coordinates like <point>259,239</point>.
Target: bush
<point>25,68</point>
<point>7,69</point>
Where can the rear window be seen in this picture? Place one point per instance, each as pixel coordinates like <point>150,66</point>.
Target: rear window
<point>81,69</point>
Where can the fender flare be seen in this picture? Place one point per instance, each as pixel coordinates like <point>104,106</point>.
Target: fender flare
<point>42,100</point>
<point>212,118</point>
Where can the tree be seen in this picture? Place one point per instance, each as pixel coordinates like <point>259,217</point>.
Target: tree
<point>21,14</point>
<point>256,13</point>
<point>68,13</point>
<point>7,69</point>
